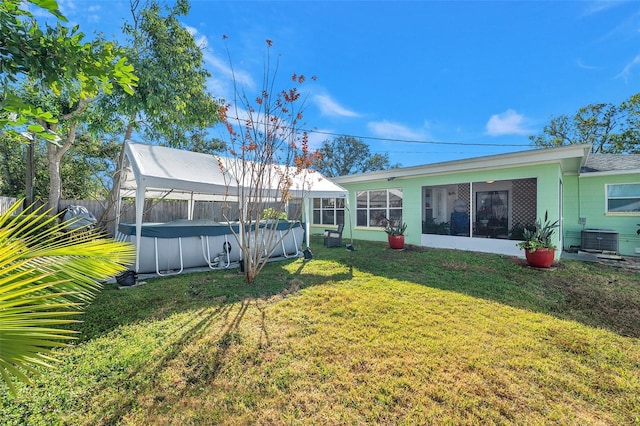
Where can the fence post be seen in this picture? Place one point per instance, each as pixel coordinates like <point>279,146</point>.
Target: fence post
<point>6,202</point>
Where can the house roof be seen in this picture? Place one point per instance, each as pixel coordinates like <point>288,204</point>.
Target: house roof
<point>571,158</point>
<point>611,164</point>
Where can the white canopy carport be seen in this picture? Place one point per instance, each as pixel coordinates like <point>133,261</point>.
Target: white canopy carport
<point>151,171</point>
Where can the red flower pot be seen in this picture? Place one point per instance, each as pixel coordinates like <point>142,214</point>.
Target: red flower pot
<point>396,241</point>
<point>541,258</point>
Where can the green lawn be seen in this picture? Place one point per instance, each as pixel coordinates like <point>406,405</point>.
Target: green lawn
<point>372,336</point>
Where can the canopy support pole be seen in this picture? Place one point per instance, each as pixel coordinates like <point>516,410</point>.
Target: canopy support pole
<point>190,207</point>
<point>307,221</point>
<point>140,193</point>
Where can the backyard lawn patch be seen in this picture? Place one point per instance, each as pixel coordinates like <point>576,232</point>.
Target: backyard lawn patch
<point>371,336</point>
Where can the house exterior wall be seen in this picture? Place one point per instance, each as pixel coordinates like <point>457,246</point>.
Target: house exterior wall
<point>550,179</point>
<point>547,176</point>
<point>571,212</point>
<point>587,198</point>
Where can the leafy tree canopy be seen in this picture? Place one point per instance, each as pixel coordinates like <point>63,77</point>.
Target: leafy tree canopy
<point>172,105</point>
<point>609,128</point>
<point>347,155</point>
<point>58,59</point>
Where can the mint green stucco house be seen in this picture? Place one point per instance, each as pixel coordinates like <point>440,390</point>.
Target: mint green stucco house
<point>482,204</point>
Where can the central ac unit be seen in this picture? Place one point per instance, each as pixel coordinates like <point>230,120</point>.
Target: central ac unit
<point>599,240</point>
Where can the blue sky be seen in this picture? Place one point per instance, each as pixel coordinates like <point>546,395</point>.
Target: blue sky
<point>457,79</point>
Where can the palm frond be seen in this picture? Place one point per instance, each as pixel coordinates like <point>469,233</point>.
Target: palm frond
<point>46,277</point>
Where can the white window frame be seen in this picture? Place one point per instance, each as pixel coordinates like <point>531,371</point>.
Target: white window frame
<point>621,197</point>
<point>322,208</point>
<point>371,223</point>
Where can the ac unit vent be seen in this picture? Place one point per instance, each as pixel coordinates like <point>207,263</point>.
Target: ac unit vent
<point>599,240</point>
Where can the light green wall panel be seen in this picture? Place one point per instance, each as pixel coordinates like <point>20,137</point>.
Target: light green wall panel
<point>571,212</point>
<point>592,206</point>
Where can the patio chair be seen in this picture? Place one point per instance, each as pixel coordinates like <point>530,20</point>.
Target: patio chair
<point>332,237</point>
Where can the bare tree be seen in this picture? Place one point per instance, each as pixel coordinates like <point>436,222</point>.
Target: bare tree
<point>269,162</point>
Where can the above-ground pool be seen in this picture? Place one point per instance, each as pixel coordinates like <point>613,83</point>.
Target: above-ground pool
<point>171,247</point>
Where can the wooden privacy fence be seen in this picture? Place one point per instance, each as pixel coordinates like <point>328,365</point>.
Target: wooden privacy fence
<point>168,210</point>
<point>6,202</point>
<point>161,211</point>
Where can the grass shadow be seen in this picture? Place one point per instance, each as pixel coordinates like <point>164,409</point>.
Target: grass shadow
<point>188,331</point>
<point>191,303</point>
<point>593,294</point>
<point>160,297</point>
<point>175,337</point>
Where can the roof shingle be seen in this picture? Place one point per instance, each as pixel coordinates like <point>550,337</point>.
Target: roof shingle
<point>611,162</point>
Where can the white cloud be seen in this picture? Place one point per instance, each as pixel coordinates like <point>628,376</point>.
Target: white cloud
<point>67,6</point>
<point>201,40</point>
<point>585,66</point>
<point>316,138</point>
<point>599,6</point>
<point>389,130</point>
<point>331,108</point>
<point>223,77</point>
<point>94,14</point>
<point>626,71</point>
<point>222,74</point>
<point>506,123</point>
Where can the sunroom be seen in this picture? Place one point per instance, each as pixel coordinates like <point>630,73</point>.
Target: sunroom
<point>464,212</point>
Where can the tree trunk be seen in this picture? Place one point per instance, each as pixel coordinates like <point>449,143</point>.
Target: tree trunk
<point>30,174</point>
<point>56,152</point>
<point>54,179</point>
<point>54,155</point>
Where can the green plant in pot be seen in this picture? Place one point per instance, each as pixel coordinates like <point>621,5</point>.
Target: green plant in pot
<point>395,234</point>
<point>537,242</point>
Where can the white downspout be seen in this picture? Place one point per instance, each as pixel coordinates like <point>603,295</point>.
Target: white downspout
<point>140,193</point>
<point>472,209</point>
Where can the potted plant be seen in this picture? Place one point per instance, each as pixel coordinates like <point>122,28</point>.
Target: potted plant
<point>483,217</point>
<point>537,245</point>
<point>395,234</point>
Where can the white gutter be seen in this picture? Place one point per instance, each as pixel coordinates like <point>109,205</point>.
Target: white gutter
<point>531,157</point>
